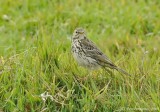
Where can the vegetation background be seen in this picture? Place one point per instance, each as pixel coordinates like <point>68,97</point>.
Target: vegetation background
<point>39,74</point>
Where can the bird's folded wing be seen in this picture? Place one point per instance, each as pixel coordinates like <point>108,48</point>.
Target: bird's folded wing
<point>92,51</point>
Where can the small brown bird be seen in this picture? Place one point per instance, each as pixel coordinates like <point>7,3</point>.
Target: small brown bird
<point>88,55</point>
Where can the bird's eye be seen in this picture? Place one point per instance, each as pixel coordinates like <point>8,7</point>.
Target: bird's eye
<point>76,31</point>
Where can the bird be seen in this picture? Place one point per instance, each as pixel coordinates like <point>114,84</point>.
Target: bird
<point>88,55</point>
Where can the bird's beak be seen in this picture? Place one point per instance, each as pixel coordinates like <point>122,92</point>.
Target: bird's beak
<point>81,32</point>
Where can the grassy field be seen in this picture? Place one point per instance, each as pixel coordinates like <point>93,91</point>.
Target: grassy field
<point>39,74</point>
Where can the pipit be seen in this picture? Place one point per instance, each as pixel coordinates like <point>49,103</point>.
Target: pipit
<point>88,55</point>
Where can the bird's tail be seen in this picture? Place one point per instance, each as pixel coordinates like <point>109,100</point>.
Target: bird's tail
<point>122,71</point>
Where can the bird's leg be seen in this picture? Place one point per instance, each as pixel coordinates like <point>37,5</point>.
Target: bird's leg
<point>84,78</point>
<point>90,75</point>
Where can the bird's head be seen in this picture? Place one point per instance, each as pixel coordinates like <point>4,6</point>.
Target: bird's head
<point>79,33</point>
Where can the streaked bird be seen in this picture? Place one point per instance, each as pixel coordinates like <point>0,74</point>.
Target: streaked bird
<point>88,55</point>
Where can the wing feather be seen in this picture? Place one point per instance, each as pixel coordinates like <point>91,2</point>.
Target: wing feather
<point>92,51</point>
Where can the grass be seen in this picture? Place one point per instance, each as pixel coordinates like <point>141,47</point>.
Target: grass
<point>38,72</point>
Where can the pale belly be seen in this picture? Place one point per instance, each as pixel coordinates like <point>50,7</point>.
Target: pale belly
<point>85,61</point>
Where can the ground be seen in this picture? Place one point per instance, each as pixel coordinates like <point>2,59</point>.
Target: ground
<point>38,72</point>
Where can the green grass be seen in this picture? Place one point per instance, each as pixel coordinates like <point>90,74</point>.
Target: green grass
<point>35,55</point>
